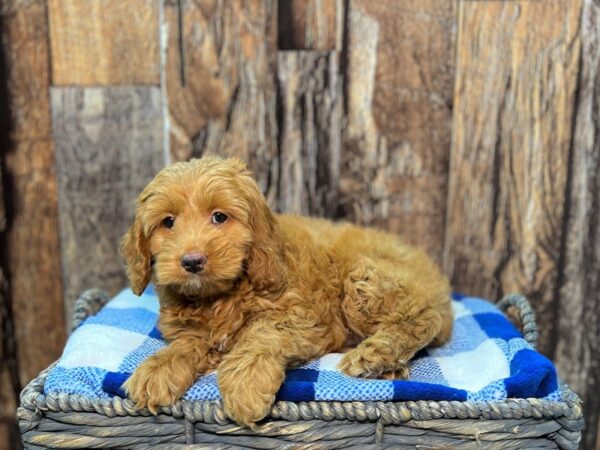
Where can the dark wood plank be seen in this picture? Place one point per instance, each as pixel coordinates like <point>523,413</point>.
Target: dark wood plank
<point>577,353</point>
<point>100,42</point>
<point>310,105</point>
<point>516,74</point>
<point>32,251</point>
<point>221,88</point>
<point>31,312</point>
<point>9,382</point>
<point>109,144</point>
<point>309,24</point>
<point>398,95</point>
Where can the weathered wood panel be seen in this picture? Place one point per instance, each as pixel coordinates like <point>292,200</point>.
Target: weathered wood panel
<point>399,103</point>
<point>9,382</point>
<point>109,144</point>
<point>8,374</point>
<point>31,319</point>
<point>32,251</point>
<point>577,353</point>
<point>99,42</point>
<point>220,76</point>
<point>309,24</point>
<point>310,110</point>
<point>516,74</point>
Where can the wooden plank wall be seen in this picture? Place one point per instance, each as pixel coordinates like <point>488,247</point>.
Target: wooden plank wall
<point>577,325</point>
<point>108,144</point>
<point>30,245</point>
<point>523,173</point>
<point>470,127</point>
<point>398,97</point>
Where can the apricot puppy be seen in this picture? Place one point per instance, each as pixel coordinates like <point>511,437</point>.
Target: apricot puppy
<point>250,293</point>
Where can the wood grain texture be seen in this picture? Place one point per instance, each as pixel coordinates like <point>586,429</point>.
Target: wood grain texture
<point>108,147</point>
<point>32,251</point>
<point>516,74</point>
<point>220,75</point>
<point>31,322</point>
<point>8,374</point>
<point>310,105</point>
<point>309,24</point>
<point>9,382</point>
<point>398,101</point>
<point>99,42</point>
<point>577,353</point>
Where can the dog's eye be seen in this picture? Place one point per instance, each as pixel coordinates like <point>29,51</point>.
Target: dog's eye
<point>168,222</point>
<point>219,217</point>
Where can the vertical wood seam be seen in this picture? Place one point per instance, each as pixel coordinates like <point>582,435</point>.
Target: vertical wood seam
<point>562,254</point>
<point>163,42</point>
<point>445,259</point>
<point>343,69</point>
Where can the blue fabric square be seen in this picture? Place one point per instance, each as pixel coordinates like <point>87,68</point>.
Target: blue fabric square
<point>496,326</point>
<point>301,375</point>
<point>532,375</point>
<point>411,390</point>
<point>155,333</point>
<point>138,320</point>
<point>466,335</point>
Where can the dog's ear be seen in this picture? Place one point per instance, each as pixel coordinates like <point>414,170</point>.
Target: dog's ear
<point>266,269</point>
<point>136,253</point>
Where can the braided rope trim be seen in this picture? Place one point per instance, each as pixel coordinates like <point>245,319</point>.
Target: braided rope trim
<point>526,315</point>
<point>88,304</point>
<point>34,403</point>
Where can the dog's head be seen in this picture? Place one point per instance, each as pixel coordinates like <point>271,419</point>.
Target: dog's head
<point>201,226</point>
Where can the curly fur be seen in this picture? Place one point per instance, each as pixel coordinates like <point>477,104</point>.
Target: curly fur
<point>276,291</point>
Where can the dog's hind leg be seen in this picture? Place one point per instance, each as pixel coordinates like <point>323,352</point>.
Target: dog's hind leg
<point>396,314</point>
<point>386,353</point>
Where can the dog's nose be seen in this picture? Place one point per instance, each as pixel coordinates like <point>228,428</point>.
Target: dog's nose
<point>193,262</point>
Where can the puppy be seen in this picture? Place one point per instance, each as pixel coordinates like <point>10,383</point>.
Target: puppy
<point>251,293</point>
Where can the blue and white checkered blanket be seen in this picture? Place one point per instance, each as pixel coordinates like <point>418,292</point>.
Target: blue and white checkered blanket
<point>486,359</point>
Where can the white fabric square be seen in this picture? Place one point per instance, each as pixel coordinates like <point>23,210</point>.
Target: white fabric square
<point>460,310</point>
<point>475,369</point>
<point>330,361</point>
<point>99,346</point>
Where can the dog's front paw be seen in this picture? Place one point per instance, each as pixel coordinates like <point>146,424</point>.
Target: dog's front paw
<point>158,381</point>
<point>248,386</point>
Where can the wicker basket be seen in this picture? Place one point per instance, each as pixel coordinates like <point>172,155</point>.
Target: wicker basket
<point>75,421</point>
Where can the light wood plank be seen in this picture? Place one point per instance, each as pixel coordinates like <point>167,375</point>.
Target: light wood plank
<point>109,145</point>
<point>100,42</point>
<point>309,24</point>
<point>310,107</point>
<point>577,353</point>
<point>221,87</point>
<point>516,74</point>
<point>399,103</point>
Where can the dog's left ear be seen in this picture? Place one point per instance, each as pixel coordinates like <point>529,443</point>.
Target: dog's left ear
<point>266,269</point>
<point>136,253</point>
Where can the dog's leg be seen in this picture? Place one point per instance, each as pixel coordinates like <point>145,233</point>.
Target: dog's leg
<point>167,375</point>
<point>386,353</point>
<point>396,314</point>
<point>251,374</point>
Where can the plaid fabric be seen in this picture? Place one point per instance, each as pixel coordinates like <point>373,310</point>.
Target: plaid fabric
<point>486,359</point>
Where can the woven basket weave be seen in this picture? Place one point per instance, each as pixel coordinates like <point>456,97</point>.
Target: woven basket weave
<point>75,421</point>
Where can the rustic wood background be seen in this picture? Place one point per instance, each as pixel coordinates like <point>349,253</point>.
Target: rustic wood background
<point>470,127</point>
